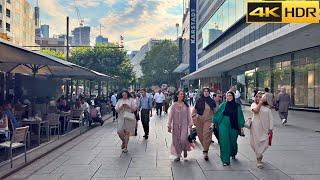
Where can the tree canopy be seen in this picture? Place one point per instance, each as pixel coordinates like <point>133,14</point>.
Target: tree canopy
<point>57,54</point>
<point>107,60</point>
<point>159,64</point>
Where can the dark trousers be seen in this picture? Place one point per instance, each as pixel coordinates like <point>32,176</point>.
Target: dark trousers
<point>159,108</point>
<point>145,119</point>
<point>114,112</point>
<point>191,102</point>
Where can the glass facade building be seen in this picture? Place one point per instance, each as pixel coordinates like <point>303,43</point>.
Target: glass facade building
<point>255,56</point>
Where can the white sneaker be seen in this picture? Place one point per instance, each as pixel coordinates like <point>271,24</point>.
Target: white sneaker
<point>284,121</point>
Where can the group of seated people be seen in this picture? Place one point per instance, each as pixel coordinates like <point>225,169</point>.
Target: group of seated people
<point>91,112</point>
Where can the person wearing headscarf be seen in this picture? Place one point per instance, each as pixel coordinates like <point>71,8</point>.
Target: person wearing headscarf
<point>229,121</point>
<point>261,126</point>
<point>283,103</point>
<point>202,114</point>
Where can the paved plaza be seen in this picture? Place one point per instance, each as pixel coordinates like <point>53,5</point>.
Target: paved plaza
<point>96,155</point>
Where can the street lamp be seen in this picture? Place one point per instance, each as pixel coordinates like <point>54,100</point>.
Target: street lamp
<point>177,26</point>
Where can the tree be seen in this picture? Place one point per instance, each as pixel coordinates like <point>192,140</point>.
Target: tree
<point>57,54</point>
<point>159,64</point>
<point>110,61</point>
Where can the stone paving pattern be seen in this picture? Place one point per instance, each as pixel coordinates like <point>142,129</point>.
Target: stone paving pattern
<point>96,155</point>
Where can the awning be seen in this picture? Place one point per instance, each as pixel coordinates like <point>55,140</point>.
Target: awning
<point>181,68</point>
<point>15,59</point>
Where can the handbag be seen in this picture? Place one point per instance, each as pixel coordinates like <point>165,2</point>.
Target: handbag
<point>129,116</point>
<point>270,138</point>
<point>248,123</point>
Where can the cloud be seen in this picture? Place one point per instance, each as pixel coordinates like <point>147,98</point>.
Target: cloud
<point>136,20</point>
<point>141,21</point>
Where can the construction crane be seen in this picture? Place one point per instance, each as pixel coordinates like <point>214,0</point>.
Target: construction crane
<point>81,21</point>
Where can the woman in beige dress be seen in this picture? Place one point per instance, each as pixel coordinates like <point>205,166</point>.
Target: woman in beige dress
<point>261,127</point>
<point>125,127</point>
<point>202,115</point>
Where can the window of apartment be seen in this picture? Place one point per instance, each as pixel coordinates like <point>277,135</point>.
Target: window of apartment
<point>8,13</point>
<point>0,8</point>
<point>8,27</point>
<point>0,24</point>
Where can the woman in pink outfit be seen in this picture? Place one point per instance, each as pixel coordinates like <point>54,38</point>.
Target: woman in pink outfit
<point>179,123</point>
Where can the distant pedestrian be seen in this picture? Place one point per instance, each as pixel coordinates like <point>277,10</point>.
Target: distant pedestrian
<point>113,105</point>
<point>261,126</point>
<point>136,113</point>
<point>145,106</point>
<point>126,120</point>
<point>269,97</point>
<point>179,124</point>
<point>166,103</point>
<point>159,98</point>
<point>202,114</point>
<point>229,121</point>
<point>191,97</point>
<point>283,103</point>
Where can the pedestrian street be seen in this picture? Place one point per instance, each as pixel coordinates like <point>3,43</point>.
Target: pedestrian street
<point>96,155</point>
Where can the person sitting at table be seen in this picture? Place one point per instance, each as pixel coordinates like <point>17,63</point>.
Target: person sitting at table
<point>86,108</point>
<point>78,104</point>
<point>64,108</point>
<point>95,115</point>
<point>3,125</point>
<point>12,119</point>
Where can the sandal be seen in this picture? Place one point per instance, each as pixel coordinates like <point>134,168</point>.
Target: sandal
<point>177,159</point>
<point>259,165</point>
<point>125,150</point>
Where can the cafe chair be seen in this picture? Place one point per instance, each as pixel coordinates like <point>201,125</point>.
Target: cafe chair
<point>54,123</point>
<point>76,118</point>
<point>19,139</point>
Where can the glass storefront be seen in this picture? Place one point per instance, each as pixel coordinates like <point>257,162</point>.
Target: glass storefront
<point>228,13</point>
<point>298,72</point>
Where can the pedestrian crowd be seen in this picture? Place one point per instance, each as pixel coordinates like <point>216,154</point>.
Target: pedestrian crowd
<point>210,113</point>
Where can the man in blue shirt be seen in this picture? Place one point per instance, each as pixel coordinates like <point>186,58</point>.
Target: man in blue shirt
<point>113,105</point>
<point>145,105</point>
<point>12,119</point>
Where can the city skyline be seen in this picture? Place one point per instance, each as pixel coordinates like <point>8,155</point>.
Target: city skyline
<point>131,18</point>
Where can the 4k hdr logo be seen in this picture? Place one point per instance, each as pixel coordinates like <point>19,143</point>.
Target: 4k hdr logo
<point>283,11</point>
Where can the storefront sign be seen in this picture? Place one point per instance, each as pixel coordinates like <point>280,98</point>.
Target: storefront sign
<point>193,36</point>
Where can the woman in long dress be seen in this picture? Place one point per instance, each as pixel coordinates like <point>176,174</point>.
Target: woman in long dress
<point>261,127</point>
<point>179,123</point>
<point>229,121</point>
<point>125,127</point>
<point>202,114</point>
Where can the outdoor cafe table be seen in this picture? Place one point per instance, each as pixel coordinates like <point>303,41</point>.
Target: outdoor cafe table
<point>32,121</point>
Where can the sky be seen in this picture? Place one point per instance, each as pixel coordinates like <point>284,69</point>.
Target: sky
<point>136,20</point>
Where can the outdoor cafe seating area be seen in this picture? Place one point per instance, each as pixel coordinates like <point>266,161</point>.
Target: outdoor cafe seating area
<point>39,107</point>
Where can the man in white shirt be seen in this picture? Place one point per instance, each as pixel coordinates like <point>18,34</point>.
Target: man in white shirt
<point>191,98</point>
<point>159,97</point>
<point>113,105</point>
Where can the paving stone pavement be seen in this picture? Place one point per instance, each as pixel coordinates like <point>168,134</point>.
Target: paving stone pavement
<point>96,155</point>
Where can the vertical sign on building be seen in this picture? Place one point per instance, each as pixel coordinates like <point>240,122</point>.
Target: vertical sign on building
<point>193,36</point>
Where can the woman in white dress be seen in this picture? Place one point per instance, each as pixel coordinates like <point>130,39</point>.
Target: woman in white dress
<point>125,127</point>
<point>261,127</point>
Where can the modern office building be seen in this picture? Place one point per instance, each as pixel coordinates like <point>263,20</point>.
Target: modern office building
<point>132,54</point>
<point>81,36</point>
<point>17,22</point>
<point>45,31</point>
<point>141,54</point>
<point>101,40</point>
<point>258,55</point>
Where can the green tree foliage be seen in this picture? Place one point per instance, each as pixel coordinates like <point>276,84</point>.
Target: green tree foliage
<point>159,63</point>
<point>110,61</point>
<point>57,54</point>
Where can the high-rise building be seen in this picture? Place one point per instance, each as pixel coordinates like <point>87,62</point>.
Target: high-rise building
<point>101,40</point>
<point>45,31</point>
<point>254,56</point>
<point>81,36</point>
<point>132,54</point>
<point>17,22</point>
